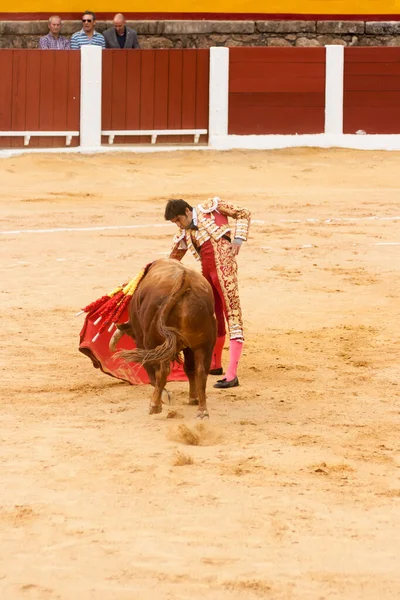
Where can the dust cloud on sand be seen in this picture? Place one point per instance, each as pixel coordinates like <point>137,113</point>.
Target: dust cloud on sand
<point>297,497</point>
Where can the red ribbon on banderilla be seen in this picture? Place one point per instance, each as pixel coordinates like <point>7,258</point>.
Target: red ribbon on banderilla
<point>112,305</point>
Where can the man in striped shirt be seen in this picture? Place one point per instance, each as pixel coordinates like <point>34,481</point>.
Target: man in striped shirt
<point>87,36</point>
<point>53,40</point>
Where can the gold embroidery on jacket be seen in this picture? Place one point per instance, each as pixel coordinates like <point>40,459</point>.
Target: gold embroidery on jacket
<point>208,229</point>
<point>227,272</point>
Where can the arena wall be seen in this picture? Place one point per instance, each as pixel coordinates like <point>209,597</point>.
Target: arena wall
<point>219,98</point>
<point>227,9</point>
<point>218,32</point>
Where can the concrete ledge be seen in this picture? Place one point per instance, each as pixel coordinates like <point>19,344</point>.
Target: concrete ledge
<point>286,26</point>
<point>23,27</point>
<point>202,27</point>
<point>389,28</point>
<point>342,27</point>
<point>145,27</point>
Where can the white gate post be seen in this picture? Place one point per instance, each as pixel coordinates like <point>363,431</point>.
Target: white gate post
<point>218,93</point>
<point>91,76</point>
<point>334,88</point>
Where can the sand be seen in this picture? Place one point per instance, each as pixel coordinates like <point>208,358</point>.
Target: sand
<point>292,489</point>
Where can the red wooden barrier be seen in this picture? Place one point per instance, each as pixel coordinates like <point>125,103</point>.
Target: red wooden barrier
<point>372,90</point>
<point>155,89</point>
<point>39,91</point>
<point>276,90</point>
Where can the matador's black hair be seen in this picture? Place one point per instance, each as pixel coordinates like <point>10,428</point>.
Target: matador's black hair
<point>175,208</point>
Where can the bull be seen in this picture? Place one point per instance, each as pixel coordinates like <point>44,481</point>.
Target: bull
<point>172,312</point>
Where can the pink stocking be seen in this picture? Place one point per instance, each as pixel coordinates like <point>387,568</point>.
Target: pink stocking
<point>235,350</point>
<point>216,362</point>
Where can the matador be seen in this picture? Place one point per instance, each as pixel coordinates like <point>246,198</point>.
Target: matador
<point>205,231</point>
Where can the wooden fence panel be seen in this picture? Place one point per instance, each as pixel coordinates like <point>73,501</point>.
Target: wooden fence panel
<point>39,91</point>
<point>371,90</point>
<point>46,96</point>
<point>202,90</point>
<point>175,92</point>
<point>106,89</point>
<point>74,94</point>
<point>165,89</point>
<point>161,89</point>
<point>6,93</point>
<point>133,92</point>
<point>189,64</point>
<point>20,96</point>
<point>33,106</point>
<point>276,90</point>
<point>147,90</point>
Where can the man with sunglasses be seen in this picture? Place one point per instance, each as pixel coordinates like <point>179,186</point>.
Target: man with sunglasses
<point>87,36</point>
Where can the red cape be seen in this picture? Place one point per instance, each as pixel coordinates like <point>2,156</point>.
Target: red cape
<point>102,358</point>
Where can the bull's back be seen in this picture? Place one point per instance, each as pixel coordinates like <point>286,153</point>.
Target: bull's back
<point>162,278</point>
<point>192,315</point>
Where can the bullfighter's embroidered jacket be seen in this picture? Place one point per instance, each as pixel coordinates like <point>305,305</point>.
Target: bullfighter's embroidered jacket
<point>212,223</point>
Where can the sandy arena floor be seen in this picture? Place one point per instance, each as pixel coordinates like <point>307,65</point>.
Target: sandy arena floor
<point>293,490</point>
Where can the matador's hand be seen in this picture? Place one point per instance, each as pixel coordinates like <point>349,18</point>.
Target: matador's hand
<point>237,242</point>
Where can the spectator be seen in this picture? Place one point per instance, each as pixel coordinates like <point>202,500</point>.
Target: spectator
<point>87,36</point>
<point>53,40</point>
<point>121,36</point>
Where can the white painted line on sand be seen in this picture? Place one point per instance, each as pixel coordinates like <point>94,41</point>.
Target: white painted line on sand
<point>282,248</point>
<point>104,228</point>
<point>332,220</point>
<point>387,244</point>
<point>352,219</point>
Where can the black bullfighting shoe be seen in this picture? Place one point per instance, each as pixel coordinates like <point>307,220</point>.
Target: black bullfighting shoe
<point>223,383</point>
<point>218,371</point>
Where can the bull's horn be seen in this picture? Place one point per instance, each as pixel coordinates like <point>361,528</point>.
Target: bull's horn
<point>116,336</point>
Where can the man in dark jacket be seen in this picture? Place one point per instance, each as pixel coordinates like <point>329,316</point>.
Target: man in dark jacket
<point>120,36</point>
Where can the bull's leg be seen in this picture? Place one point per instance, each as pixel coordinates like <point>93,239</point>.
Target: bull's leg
<point>202,360</point>
<point>165,395</point>
<point>151,372</point>
<point>161,374</point>
<point>189,368</point>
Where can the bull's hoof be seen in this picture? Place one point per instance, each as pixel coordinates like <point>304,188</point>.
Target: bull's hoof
<point>155,409</point>
<point>202,414</point>
<point>193,401</point>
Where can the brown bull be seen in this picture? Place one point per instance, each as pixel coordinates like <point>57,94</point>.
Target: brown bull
<point>172,311</point>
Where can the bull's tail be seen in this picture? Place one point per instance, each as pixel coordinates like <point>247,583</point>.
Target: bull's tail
<point>168,350</point>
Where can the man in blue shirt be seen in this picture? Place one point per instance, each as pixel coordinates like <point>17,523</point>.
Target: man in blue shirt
<point>87,36</point>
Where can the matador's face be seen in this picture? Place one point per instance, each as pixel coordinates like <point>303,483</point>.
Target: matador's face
<point>183,221</point>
